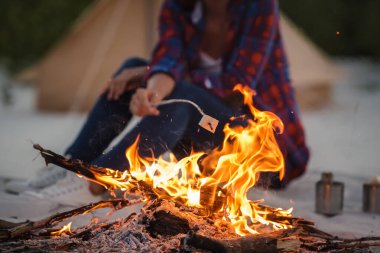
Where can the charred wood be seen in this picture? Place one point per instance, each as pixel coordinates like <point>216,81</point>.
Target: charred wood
<point>20,229</point>
<point>164,226</point>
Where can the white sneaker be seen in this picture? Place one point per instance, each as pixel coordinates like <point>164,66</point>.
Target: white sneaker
<point>44,178</point>
<point>22,207</point>
<point>69,191</point>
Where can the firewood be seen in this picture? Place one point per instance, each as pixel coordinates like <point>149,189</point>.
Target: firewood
<point>87,170</point>
<point>166,224</point>
<point>19,229</point>
<point>244,245</point>
<point>156,229</point>
<point>74,165</point>
<point>91,232</point>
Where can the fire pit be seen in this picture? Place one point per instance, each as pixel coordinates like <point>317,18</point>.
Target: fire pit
<point>197,204</point>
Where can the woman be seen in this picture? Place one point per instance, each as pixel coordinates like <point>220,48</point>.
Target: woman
<point>213,45</point>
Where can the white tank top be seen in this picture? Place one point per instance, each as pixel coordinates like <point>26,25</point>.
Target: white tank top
<point>209,64</point>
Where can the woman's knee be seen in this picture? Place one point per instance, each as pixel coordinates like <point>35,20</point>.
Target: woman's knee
<point>102,99</point>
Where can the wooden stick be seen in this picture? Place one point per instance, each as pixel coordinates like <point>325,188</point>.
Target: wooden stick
<point>88,170</point>
<point>28,226</point>
<point>76,166</point>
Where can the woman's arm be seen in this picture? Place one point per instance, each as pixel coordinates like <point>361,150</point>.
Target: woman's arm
<point>167,65</point>
<point>249,58</point>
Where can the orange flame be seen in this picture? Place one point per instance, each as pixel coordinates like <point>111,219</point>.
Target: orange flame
<point>246,152</point>
<point>66,229</point>
<point>231,170</point>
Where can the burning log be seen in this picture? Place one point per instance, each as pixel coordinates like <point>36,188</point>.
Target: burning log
<point>14,230</point>
<point>89,171</point>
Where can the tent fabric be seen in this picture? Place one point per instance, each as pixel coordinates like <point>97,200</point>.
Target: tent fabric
<point>311,70</point>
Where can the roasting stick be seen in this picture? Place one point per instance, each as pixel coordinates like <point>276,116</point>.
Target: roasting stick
<point>207,122</point>
<point>171,101</point>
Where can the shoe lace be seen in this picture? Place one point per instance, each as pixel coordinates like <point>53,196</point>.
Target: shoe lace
<point>69,183</point>
<point>47,174</point>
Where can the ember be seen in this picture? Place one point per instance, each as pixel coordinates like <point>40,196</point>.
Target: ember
<point>166,226</point>
<point>64,230</point>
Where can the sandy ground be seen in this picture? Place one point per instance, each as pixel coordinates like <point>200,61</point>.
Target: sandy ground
<point>344,138</point>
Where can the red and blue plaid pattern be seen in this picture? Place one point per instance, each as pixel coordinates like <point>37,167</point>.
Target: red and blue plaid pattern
<point>255,57</point>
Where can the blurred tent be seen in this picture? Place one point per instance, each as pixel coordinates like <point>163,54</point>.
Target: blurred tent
<point>72,74</point>
<point>312,71</point>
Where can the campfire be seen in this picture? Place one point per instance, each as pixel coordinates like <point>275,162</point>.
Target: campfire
<point>196,203</point>
<point>218,181</point>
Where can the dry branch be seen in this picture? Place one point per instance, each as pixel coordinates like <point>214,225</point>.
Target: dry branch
<point>87,170</point>
<point>20,229</point>
<point>74,165</point>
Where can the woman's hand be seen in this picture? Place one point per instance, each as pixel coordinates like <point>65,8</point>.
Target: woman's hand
<point>145,100</point>
<point>123,82</point>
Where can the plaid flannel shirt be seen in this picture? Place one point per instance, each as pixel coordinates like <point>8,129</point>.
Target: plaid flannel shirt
<point>255,57</point>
